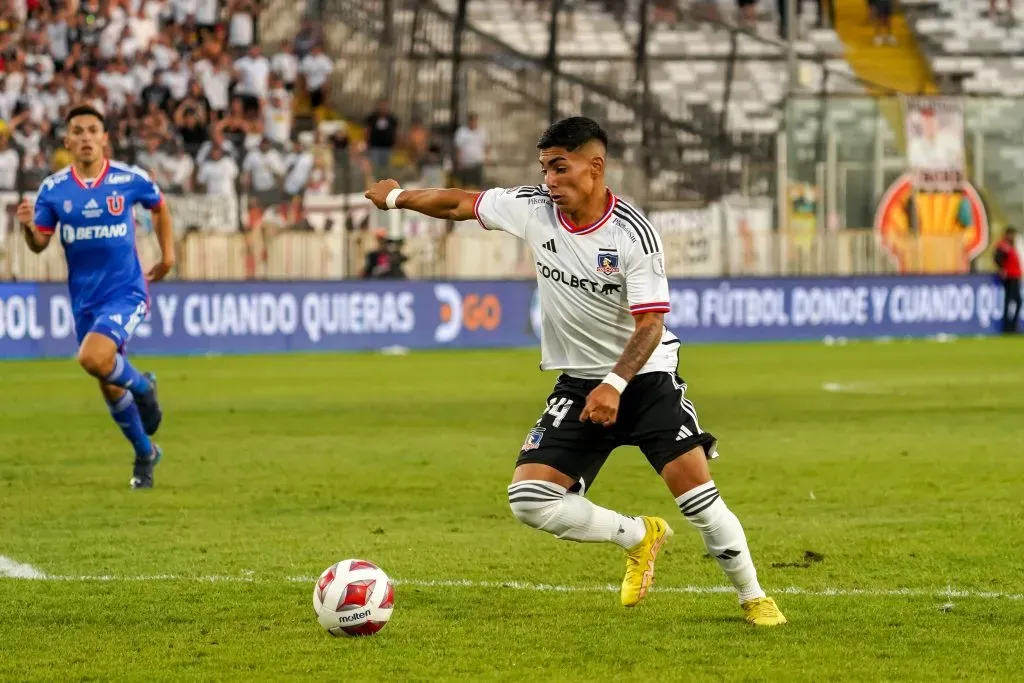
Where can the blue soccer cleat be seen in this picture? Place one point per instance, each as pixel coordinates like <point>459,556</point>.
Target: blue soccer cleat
<point>142,472</point>
<point>149,407</point>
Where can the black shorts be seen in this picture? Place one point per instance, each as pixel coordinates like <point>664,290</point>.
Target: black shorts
<point>654,414</point>
<point>471,177</point>
<point>882,8</point>
<point>317,98</point>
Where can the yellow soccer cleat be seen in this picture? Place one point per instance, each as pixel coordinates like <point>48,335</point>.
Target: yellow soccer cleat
<point>762,612</point>
<point>640,561</point>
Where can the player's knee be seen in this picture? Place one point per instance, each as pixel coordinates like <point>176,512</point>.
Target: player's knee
<point>535,503</point>
<point>94,362</point>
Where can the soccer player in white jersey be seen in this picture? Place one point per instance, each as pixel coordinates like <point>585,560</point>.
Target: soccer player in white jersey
<point>604,295</point>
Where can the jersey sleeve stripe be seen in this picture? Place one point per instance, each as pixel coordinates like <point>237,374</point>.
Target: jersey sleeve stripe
<point>645,242</point>
<point>532,191</point>
<point>642,226</point>
<point>45,228</point>
<point>652,307</point>
<point>476,210</point>
<point>642,222</point>
<point>646,225</point>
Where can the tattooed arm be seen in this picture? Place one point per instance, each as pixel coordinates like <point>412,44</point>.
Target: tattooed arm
<point>603,402</point>
<point>645,340</point>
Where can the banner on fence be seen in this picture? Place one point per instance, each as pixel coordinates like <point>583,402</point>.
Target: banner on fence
<point>932,232</point>
<point>749,223</point>
<point>935,142</point>
<point>696,238</point>
<point>197,318</point>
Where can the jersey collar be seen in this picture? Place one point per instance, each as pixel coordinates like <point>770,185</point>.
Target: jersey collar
<point>99,178</point>
<point>586,229</point>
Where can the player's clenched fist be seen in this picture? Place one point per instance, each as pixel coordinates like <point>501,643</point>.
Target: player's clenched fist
<point>602,406</point>
<point>378,194</point>
<point>25,212</point>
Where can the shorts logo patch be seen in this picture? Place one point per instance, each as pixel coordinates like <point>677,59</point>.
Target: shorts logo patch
<point>607,262</point>
<point>533,439</point>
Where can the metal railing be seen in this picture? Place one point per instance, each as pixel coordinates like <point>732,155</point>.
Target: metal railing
<point>438,64</point>
<point>336,233</point>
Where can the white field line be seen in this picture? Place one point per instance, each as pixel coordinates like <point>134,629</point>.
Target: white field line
<point>28,572</point>
<point>854,388</point>
<point>16,570</point>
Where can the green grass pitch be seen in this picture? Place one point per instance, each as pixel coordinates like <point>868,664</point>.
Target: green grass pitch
<point>901,466</point>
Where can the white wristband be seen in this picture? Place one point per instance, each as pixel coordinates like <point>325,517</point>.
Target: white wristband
<point>392,200</point>
<point>615,381</point>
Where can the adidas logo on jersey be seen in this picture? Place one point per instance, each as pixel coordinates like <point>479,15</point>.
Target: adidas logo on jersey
<point>550,246</point>
<point>92,209</point>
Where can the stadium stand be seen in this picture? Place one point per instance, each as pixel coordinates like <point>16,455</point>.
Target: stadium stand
<point>977,53</point>
<point>707,138</point>
<point>174,79</point>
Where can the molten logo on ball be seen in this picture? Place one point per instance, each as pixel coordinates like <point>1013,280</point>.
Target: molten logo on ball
<point>353,598</point>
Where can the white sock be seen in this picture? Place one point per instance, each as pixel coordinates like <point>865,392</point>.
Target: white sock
<point>548,507</point>
<point>723,537</point>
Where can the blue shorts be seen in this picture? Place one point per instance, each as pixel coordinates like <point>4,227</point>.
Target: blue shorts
<point>116,320</point>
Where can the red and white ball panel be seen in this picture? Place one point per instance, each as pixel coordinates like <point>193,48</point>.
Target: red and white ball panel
<point>353,598</point>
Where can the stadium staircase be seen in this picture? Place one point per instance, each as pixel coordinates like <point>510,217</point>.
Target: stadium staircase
<point>899,67</point>
<point>689,153</point>
<point>884,68</point>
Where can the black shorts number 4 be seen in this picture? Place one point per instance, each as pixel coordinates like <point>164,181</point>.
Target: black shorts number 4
<point>654,414</point>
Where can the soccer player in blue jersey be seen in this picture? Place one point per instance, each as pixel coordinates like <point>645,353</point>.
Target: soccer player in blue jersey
<point>89,205</point>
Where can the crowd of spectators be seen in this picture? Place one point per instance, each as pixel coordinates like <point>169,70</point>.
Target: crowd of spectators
<point>187,91</point>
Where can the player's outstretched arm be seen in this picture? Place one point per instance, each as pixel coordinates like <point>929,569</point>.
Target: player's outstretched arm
<point>449,204</point>
<point>37,240</point>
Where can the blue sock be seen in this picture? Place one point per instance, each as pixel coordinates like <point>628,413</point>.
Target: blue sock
<point>125,376</point>
<point>126,415</point>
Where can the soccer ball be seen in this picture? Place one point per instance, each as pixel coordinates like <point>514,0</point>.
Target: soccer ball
<point>353,598</point>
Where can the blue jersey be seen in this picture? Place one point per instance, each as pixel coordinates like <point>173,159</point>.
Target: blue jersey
<point>96,226</point>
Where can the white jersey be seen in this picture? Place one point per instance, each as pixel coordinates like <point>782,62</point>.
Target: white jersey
<point>592,279</point>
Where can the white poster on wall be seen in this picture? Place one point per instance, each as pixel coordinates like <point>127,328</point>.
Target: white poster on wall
<point>749,235</point>
<point>935,142</point>
<point>692,239</point>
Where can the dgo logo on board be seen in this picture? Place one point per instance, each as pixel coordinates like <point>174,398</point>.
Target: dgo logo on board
<point>931,232</point>
<point>472,312</point>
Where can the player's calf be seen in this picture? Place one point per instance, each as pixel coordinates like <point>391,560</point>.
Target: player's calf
<point>149,406</point>
<point>689,479</point>
<point>126,415</point>
<point>548,507</point>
